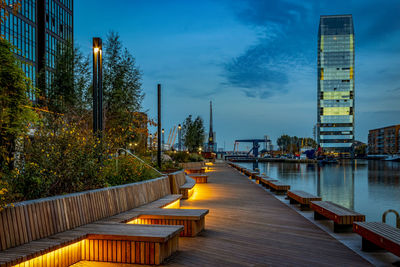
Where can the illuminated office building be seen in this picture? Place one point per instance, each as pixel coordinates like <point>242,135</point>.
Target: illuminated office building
<point>335,131</point>
<point>37,31</point>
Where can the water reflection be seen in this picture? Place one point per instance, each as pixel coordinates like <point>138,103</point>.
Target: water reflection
<point>369,187</point>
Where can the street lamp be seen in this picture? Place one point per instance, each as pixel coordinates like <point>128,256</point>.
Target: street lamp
<point>97,86</point>
<point>179,137</point>
<point>162,139</point>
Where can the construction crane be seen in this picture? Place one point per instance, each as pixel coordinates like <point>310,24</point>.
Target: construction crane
<point>172,137</point>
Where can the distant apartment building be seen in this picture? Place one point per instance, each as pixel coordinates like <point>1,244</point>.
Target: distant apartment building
<point>38,31</point>
<point>384,140</point>
<point>335,119</point>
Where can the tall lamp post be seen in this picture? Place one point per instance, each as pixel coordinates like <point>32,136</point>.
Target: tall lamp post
<point>97,86</point>
<point>163,142</point>
<point>179,138</point>
<point>159,126</point>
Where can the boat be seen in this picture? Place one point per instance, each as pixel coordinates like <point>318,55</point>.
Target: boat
<point>328,161</point>
<point>392,158</point>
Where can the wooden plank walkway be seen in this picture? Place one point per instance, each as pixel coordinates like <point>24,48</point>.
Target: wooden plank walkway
<point>248,226</point>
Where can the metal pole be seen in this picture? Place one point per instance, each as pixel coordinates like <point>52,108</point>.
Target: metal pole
<point>179,138</point>
<point>100,88</point>
<point>97,87</point>
<point>159,126</point>
<point>162,140</point>
<point>95,97</point>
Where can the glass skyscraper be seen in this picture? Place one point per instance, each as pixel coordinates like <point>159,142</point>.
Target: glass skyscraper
<point>37,31</point>
<point>335,128</point>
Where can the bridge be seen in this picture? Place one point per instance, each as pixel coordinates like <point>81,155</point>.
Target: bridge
<point>256,145</point>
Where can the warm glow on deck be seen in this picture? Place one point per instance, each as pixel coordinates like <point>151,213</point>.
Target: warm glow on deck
<point>135,221</point>
<point>64,256</point>
<point>174,205</point>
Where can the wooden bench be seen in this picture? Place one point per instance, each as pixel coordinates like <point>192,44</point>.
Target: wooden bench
<point>199,178</point>
<point>195,171</point>
<point>278,187</point>
<point>302,198</point>
<point>192,219</point>
<point>194,167</point>
<point>142,244</point>
<point>61,230</point>
<point>253,174</point>
<point>376,235</point>
<point>187,189</point>
<point>342,217</point>
<point>264,181</point>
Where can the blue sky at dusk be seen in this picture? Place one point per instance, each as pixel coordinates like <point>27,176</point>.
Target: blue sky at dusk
<point>256,60</point>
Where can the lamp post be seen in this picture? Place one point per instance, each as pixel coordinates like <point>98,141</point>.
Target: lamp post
<point>179,137</point>
<point>97,86</point>
<point>163,142</point>
<point>159,126</point>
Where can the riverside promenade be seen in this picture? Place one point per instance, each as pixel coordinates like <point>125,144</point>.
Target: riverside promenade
<point>248,226</point>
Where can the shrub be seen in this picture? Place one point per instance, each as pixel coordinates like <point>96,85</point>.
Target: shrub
<point>126,169</point>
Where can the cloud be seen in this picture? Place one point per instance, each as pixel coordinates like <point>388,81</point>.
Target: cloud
<point>264,69</point>
<point>288,39</point>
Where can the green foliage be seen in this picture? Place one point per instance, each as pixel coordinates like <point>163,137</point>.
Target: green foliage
<point>61,155</point>
<point>193,133</point>
<point>66,157</point>
<point>184,156</point>
<point>15,112</point>
<point>126,169</point>
<point>59,158</point>
<point>293,144</point>
<point>194,157</point>
<point>122,87</point>
<point>179,156</point>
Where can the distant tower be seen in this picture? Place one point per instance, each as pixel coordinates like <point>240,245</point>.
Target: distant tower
<point>335,124</point>
<point>211,132</point>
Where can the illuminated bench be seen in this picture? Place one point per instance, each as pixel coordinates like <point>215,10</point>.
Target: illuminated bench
<point>193,220</point>
<point>187,189</point>
<point>53,229</point>
<point>194,167</point>
<point>199,178</point>
<point>117,243</point>
<point>195,171</point>
<point>182,184</point>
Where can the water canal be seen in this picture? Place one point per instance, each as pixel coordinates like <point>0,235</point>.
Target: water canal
<point>369,187</point>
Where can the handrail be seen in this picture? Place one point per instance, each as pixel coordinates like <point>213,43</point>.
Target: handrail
<point>397,217</point>
<point>136,157</point>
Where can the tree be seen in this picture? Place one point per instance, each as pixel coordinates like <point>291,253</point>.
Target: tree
<point>122,89</point>
<point>193,133</point>
<point>15,112</point>
<point>82,80</point>
<point>283,142</point>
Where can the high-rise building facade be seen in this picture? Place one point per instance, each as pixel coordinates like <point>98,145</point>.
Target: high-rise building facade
<point>38,31</point>
<point>335,128</point>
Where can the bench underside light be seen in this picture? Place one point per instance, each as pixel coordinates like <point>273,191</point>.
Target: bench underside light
<point>191,227</point>
<point>174,205</point>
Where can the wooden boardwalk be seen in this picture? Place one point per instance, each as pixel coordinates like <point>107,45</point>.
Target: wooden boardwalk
<point>248,226</point>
